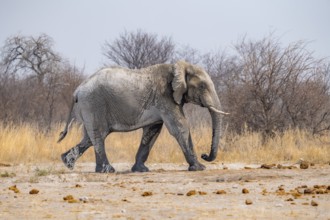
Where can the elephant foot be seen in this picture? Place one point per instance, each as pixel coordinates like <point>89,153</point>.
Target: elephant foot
<point>68,160</point>
<point>196,167</point>
<point>139,168</point>
<point>104,168</point>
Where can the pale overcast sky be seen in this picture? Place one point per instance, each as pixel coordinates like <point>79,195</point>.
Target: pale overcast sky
<point>80,27</point>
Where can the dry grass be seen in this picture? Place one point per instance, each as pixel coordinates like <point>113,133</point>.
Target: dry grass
<point>27,144</point>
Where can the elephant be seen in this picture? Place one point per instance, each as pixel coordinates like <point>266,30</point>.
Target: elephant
<point>117,99</point>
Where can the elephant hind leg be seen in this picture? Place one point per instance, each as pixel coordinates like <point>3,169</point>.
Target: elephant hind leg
<point>150,134</point>
<point>70,157</point>
<point>102,163</point>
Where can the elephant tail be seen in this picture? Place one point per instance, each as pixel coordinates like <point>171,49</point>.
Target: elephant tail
<point>68,122</point>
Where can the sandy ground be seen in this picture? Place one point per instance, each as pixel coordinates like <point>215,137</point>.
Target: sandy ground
<point>163,192</point>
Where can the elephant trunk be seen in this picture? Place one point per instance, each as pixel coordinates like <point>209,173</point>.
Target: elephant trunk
<point>216,129</point>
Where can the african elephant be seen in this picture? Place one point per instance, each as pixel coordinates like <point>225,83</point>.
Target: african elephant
<point>119,99</point>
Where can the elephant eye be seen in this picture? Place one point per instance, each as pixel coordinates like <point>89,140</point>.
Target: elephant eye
<point>202,86</point>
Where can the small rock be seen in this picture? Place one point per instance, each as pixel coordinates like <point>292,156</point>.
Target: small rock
<point>220,179</point>
<point>304,165</point>
<point>248,202</point>
<point>245,191</point>
<point>279,205</point>
<point>147,193</point>
<point>14,188</point>
<point>34,191</point>
<point>320,191</point>
<point>235,186</point>
<point>289,200</point>
<point>313,203</point>
<point>68,197</point>
<point>308,191</point>
<point>202,193</point>
<point>191,193</point>
<point>267,166</point>
<point>220,192</point>
<point>77,185</point>
<point>84,199</point>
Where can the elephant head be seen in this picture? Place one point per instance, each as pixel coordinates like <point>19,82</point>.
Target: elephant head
<point>192,84</point>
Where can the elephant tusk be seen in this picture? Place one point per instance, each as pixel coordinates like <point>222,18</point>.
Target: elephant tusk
<point>218,111</point>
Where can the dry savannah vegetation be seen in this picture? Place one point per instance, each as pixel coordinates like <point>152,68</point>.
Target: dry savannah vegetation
<point>27,144</point>
<point>274,155</point>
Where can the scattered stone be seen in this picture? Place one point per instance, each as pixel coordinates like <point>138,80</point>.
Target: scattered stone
<point>248,202</point>
<point>180,194</point>
<point>84,199</point>
<point>248,168</point>
<point>34,191</point>
<point>320,191</point>
<point>191,193</point>
<point>281,191</point>
<point>8,165</point>
<point>305,203</point>
<point>279,205</point>
<point>279,166</point>
<point>220,179</point>
<point>289,200</point>
<point>235,186</point>
<point>264,192</point>
<point>220,192</point>
<point>296,194</point>
<point>202,193</point>
<point>14,189</point>
<point>78,186</point>
<point>308,191</point>
<point>313,203</point>
<point>267,166</point>
<point>245,191</point>
<point>225,168</point>
<point>304,165</point>
<point>312,164</point>
<point>68,197</point>
<point>147,193</point>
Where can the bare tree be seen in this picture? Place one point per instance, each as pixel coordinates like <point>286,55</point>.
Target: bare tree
<point>270,87</point>
<point>138,49</point>
<point>22,54</point>
<point>32,79</point>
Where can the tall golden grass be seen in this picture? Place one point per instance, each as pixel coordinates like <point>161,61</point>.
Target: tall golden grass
<point>27,144</point>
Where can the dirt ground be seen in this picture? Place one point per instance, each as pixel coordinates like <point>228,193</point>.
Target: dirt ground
<point>167,192</point>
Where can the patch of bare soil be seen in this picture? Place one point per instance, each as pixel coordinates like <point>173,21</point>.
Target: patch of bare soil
<point>240,191</point>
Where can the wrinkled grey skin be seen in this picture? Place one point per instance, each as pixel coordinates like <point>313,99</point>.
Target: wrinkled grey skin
<point>119,100</point>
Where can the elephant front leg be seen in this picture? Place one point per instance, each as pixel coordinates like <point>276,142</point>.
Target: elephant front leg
<point>178,127</point>
<point>150,134</point>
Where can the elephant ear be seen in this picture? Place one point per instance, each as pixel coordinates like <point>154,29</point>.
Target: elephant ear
<point>179,84</point>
